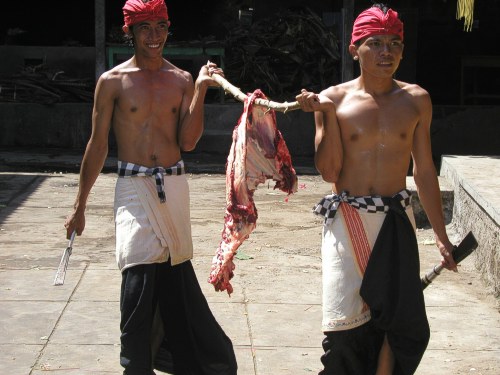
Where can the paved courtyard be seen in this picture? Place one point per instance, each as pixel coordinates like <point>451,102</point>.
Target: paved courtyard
<point>273,316</point>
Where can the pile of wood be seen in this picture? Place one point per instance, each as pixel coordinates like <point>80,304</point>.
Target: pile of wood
<point>282,54</point>
<point>41,85</point>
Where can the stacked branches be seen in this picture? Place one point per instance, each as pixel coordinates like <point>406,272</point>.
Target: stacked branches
<point>282,54</point>
<point>41,85</point>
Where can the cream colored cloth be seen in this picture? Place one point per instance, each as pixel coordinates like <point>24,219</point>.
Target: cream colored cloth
<point>343,307</point>
<point>148,231</point>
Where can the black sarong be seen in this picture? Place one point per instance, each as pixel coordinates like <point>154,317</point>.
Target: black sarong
<point>392,288</point>
<point>192,342</point>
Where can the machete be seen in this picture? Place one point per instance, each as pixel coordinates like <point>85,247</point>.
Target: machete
<point>63,264</point>
<point>460,252</point>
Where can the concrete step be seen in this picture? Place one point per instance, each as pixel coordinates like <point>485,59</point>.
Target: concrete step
<point>476,183</point>
<point>447,199</point>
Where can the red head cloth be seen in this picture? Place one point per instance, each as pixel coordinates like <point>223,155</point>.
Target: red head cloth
<point>135,11</point>
<point>373,21</point>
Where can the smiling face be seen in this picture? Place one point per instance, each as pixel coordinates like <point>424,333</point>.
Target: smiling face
<point>379,55</point>
<point>149,36</point>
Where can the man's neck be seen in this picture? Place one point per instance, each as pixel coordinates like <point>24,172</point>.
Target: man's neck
<point>376,86</point>
<point>148,63</point>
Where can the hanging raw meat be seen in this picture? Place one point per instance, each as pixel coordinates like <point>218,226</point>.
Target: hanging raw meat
<point>258,153</point>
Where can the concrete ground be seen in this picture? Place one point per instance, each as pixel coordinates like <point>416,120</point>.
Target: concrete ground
<point>273,317</point>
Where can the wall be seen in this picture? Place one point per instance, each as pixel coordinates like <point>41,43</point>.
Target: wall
<point>468,130</point>
<point>45,126</point>
<point>465,130</point>
<point>77,62</point>
<point>476,208</point>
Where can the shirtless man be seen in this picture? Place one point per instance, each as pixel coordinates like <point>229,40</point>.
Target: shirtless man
<point>155,111</point>
<point>367,131</point>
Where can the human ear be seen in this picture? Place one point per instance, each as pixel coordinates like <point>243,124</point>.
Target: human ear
<point>353,50</point>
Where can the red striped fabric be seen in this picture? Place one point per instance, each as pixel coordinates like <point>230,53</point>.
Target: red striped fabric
<point>357,234</point>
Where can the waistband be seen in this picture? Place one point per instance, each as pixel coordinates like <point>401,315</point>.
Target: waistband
<point>126,169</point>
<point>329,205</point>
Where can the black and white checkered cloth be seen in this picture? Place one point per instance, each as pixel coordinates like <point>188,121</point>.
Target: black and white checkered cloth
<point>329,205</point>
<point>126,169</point>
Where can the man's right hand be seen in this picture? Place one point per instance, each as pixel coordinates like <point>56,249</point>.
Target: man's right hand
<point>74,222</point>
<point>446,250</point>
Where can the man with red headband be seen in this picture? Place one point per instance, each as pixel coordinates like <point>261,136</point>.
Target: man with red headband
<point>155,111</point>
<point>368,130</point>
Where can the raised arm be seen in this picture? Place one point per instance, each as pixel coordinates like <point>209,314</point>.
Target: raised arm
<point>329,152</point>
<point>192,107</point>
<point>425,176</point>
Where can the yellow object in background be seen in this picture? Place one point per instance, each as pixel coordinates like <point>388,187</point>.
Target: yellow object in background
<point>465,10</point>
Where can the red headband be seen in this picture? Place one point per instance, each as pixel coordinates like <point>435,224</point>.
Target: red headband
<point>373,21</point>
<point>135,11</point>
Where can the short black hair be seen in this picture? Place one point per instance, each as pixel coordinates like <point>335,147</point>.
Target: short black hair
<point>382,6</point>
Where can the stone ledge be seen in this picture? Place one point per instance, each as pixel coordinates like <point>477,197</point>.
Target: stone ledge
<point>476,183</point>
<point>447,198</point>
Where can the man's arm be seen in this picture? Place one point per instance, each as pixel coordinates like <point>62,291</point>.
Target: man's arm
<point>95,154</point>
<point>425,176</point>
<point>328,157</point>
<point>192,107</point>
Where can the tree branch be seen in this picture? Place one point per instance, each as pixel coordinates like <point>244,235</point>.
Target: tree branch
<point>236,92</point>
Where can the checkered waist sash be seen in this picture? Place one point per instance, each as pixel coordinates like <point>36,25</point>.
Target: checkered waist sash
<point>126,169</point>
<point>329,205</point>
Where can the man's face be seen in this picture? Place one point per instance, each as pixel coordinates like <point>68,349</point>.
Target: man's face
<point>151,35</point>
<point>380,53</point>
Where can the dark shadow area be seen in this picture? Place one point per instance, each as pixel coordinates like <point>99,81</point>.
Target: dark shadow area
<point>15,188</point>
<point>50,160</point>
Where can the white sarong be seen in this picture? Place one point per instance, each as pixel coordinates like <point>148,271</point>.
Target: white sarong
<point>347,242</point>
<point>148,231</point>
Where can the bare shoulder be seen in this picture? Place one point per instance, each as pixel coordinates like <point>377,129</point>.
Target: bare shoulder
<point>416,96</point>
<point>110,82</point>
<point>178,73</point>
<point>117,72</point>
<point>415,91</point>
<point>337,92</point>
